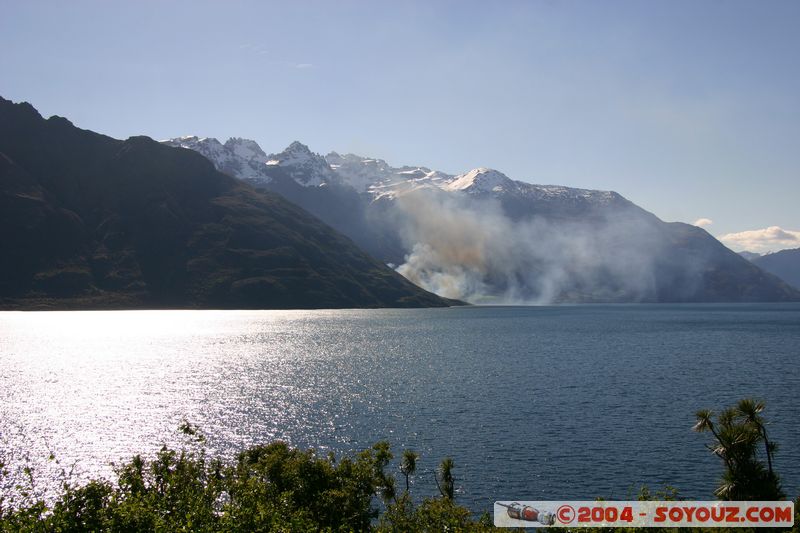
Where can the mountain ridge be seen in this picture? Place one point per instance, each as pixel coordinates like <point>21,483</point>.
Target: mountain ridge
<point>482,236</point>
<point>785,264</point>
<point>88,221</point>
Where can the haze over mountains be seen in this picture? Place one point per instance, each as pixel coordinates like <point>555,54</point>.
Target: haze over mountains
<point>483,237</point>
<point>87,221</point>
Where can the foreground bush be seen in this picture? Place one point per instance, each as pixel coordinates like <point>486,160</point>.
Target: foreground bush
<point>268,488</point>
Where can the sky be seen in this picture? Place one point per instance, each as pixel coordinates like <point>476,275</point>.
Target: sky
<point>690,109</point>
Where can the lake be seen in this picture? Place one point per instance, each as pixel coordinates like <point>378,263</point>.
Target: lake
<point>532,403</point>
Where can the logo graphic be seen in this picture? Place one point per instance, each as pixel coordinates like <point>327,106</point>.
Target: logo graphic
<point>526,513</point>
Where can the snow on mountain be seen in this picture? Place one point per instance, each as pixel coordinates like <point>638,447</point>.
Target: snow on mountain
<point>208,146</point>
<point>304,166</point>
<point>360,173</point>
<point>559,193</point>
<point>247,149</point>
<point>244,158</point>
<point>240,158</point>
<point>382,181</point>
<point>483,180</point>
<point>378,178</point>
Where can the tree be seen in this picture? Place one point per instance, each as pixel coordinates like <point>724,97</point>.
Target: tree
<point>445,481</point>
<point>408,465</point>
<point>750,410</point>
<point>385,483</point>
<point>739,433</point>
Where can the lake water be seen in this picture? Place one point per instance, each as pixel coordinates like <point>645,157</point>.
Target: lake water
<point>533,403</point>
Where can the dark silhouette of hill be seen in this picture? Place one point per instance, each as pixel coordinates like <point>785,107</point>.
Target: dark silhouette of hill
<point>88,221</point>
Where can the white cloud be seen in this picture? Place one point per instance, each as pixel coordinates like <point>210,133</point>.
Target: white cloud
<point>769,239</point>
<point>702,222</point>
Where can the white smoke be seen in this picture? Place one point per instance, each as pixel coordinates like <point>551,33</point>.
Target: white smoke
<point>469,249</point>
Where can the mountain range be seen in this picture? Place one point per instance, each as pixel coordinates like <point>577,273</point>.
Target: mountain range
<point>785,264</point>
<point>486,238</point>
<point>88,221</point>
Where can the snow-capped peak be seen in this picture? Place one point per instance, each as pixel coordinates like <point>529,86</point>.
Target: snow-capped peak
<point>361,173</point>
<point>188,139</point>
<point>294,154</point>
<point>240,158</point>
<point>210,147</point>
<point>246,148</point>
<point>480,180</point>
<point>377,177</point>
<point>244,159</point>
<point>303,165</point>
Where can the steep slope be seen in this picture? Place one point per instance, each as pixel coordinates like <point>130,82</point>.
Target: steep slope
<point>784,264</point>
<point>484,237</point>
<point>88,221</point>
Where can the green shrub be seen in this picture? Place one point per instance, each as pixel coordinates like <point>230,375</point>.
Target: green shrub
<point>268,488</point>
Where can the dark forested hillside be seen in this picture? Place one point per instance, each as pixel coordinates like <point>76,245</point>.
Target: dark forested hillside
<point>87,221</point>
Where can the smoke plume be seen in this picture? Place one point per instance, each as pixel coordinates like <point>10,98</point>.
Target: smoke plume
<point>469,249</point>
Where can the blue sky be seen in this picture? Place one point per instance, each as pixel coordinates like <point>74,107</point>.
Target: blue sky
<point>690,109</point>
